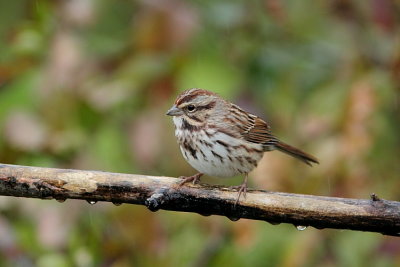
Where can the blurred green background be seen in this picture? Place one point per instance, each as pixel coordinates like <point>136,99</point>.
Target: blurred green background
<point>85,84</point>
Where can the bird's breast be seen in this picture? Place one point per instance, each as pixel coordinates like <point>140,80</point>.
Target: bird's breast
<point>217,153</point>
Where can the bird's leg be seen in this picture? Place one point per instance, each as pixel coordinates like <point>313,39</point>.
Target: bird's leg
<point>194,178</point>
<point>242,188</point>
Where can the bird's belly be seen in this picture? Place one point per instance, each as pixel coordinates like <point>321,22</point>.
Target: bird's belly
<point>221,159</point>
<point>214,167</point>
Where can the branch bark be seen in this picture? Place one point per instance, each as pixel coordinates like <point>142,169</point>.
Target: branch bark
<point>373,215</point>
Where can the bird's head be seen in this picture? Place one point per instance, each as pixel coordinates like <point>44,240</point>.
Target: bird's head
<point>195,106</point>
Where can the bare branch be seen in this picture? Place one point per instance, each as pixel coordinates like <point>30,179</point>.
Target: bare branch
<point>373,215</point>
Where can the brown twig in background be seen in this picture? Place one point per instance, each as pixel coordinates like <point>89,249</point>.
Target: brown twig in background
<point>373,215</point>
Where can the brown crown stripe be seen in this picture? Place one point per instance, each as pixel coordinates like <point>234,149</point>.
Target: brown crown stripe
<point>188,95</point>
<point>183,99</point>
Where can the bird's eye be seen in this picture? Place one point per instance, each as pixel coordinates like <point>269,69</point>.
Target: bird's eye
<point>191,108</point>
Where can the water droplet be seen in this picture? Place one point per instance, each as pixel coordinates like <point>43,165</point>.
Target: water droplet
<point>91,202</point>
<point>301,227</point>
<point>233,218</point>
<point>117,203</point>
<point>153,209</point>
<point>61,200</point>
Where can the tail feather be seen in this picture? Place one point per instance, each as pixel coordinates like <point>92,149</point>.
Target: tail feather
<point>297,153</point>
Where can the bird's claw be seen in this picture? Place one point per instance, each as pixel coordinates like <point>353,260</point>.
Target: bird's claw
<point>194,179</point>
<point>241,189</point>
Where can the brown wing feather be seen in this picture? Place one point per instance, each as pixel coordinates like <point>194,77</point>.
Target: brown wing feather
<point>259,132</point>
<point>255,130</point>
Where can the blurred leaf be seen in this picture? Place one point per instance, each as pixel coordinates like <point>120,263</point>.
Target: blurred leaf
<point>18,93</point>
<point>52,260</point>
<point>353,248</point>
<point>211,73</point>
<point>111,31</point>
<point>109,150</point>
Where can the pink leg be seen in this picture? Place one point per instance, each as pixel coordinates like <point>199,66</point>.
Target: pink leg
<point>194,178</point>
<point>242,189</point>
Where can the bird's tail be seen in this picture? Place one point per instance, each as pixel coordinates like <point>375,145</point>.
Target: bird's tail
<point>295,152</point>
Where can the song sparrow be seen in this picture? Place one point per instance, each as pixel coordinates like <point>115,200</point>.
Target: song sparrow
<point>220,139</point>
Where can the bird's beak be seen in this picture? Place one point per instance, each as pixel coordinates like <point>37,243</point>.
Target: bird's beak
<point>174,111</point>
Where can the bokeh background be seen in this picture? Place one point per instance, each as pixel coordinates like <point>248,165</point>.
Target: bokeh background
<point>85,84</point>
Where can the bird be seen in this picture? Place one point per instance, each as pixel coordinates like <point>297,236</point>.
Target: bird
<point>220,139</point>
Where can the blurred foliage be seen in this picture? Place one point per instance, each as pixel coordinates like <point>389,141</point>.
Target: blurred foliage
<point>85,84</point>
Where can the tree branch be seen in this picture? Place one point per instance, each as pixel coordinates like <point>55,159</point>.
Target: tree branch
<point>373,215</point>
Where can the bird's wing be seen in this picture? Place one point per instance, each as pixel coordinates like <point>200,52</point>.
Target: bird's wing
<point>258,131</point>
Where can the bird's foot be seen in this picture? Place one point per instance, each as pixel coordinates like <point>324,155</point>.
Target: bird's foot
<point>194,178</point>
<point>241,189</point>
